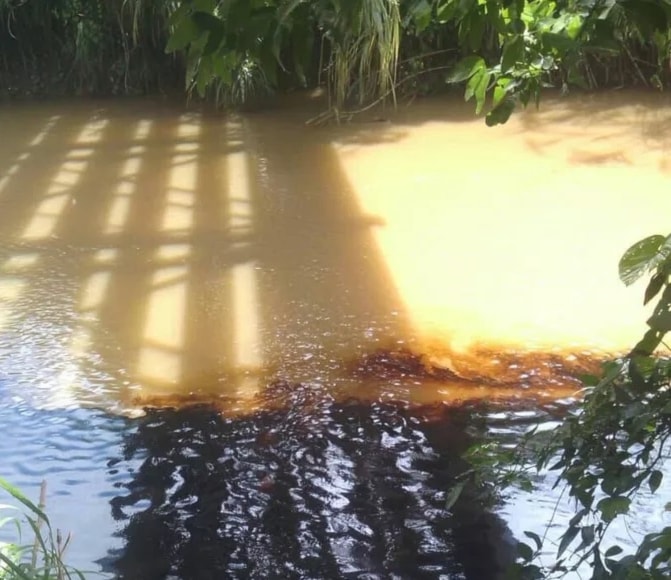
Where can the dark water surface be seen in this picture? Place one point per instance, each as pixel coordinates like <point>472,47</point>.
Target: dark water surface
<point>327,490</point>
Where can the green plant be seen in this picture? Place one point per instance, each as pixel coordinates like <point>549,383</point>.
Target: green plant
<point>544,43</point>
<point>41,560</point>
<point>606,453</point>
<point>353,44</point>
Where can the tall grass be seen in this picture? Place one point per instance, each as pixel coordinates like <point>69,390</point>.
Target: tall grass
<point>41,559</point>
<point>364,49</point>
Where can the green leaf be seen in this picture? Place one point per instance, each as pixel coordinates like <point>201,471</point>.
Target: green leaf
<point>587,535</point>
<point>446,11</point>
<point>205,74</point>
<point>566,540</point>
<point>643,256</point>
<point>660,321</point>
<point>454,495</point>
<point>517,26</point>
<point>611,507</point>
<point>606,7</point>
<point>500,114</point>
<point>613,551</point>
<point>536,538</point>
<point>654,286</point>
<point>38,534</point>
<point>287,8</point>
<point>648,344</point>
<point>476,30</point>
<point>477,87</point>
<point>501,90</point>
<point>180,13</point>
<point>184,34</point>
<point>525,552</point>
<point>465,69</point>
<point>513,52</point>
<point>18,572</point>
<point>558,42</point>
<point>17,495</point>
<point>655,480</point>
<point>421,15</point>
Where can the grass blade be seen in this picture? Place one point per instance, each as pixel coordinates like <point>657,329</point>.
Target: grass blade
<point>18,496</point>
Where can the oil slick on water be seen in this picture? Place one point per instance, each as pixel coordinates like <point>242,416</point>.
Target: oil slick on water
<point>149,253</point>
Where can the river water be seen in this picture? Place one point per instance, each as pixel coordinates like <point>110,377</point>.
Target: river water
<point>331,312</point>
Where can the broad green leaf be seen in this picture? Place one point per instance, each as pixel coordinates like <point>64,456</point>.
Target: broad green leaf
<point>205,73</point>
<point>654,286</point>
<point>501,113</point>
<point>446,11</point>
<point>525,551</point>
<point>655,480</point>
<point>660,321</point>
<point>558,42</point>
<point>287,8</point>
<point>481,79</point>
<point>465,69</point>
<point>517,26</point>
<point>611,507</point>
<point>184,34</point>
<point>613,551</point>
<point>648,344</point>
<point>500,90</point>
<point>476,30</point>
<point>180,13</point>
<point>642,257</point>
<point>421,15</point>
<point>205,21</point>
<point>513,52</point>
<point>574,26</point>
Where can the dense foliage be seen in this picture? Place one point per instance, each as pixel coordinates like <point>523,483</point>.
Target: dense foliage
<point>85,47</point>
<point>360,50</point>
<point>367,49</point>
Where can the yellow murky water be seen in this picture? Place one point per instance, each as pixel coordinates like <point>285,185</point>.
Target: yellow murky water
<point>147,250</point>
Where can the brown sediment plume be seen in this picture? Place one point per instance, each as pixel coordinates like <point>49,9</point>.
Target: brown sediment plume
<point>410,379</point>
<point>481,366</point>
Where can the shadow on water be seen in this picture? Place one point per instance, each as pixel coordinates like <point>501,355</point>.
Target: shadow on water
<point>341,491</point>
<point>156,250</point>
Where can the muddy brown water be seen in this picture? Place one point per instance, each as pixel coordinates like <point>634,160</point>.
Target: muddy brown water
<point>311,283</point>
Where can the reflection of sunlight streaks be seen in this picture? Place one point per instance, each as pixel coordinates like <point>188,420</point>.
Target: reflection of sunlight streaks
<point>246,341</point>
<point>120,208</point>
<point>20,160</point>
<point>59,194</point>
<point>11,290</point>
<point>161,357</point>
<point>11,286</point>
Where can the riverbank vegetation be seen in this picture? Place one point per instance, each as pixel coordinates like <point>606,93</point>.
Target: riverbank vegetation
<point>42,557</point>
<point>361,51</point>
<point>613,449</point>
